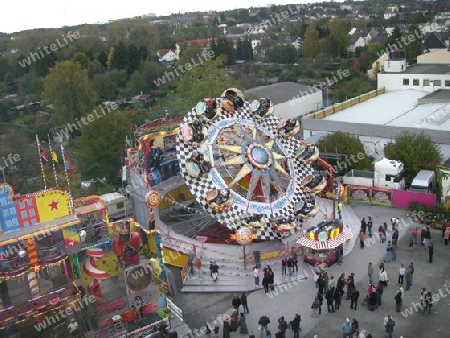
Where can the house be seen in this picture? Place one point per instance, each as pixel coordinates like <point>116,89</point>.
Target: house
<point>442,56</point>
<point>291,40</point>
<point>397,75</point>
<point>435,41</point>
<point>168,55</point>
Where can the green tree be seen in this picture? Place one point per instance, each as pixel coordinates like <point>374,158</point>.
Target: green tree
<point>339,33</point>
<point>10,83</point>
<point>358,85</point>
<point>414,48</point>
<point>107,132</point>
<point>105,88</point>
<point>3,113</point>
<point>103,59</point>
<point>67,87</point>
<point>205,80</point>
<point>417,151</point>
<point>120,56</point>
<point>311,42</point>
<point>283,54</point>
<point>133,58</point>
<point>82,59</point>
<point>29,84</point>
<point>348,145</point>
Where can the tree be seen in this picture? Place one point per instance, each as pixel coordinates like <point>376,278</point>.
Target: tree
<point>339,34</point>
<point>29,84</point>
<point>119,60</point>
<point>133,58</point>
<point>100,147</point>
<point>394,38</point>
<point>105,88</point>
<point>311,42</point>
<point>283,54</point>
<point>103,59</point>
<point>350,146</point>
<point>353,87</point>
<point>3,113</point>
<point>10,83</point>
<point>82,59</point>
<point>67,87</point>
<point>414,48</point>
<point>205,80</point>
<point>417,151</point>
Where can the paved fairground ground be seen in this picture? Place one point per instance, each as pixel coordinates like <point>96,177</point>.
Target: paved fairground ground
<point>297,293</point>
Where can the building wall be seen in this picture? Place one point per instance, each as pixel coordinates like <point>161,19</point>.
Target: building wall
<point>439,57</point>
<point>392,82</point>
<point>299,105</point>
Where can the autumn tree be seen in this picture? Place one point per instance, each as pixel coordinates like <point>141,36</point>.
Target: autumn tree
<point>68,89</point>
<point>349,147</point>
<point>311,42</point>
<point>100,147</point>
<point>417,151</point>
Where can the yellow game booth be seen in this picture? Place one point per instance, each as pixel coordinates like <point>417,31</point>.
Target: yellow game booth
<point>322,243</point>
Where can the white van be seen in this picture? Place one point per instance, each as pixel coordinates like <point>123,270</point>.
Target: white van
<point>425,182</point>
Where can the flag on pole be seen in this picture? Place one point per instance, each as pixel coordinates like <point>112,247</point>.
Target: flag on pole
<point>41,150</point>
<point>53,150</point>
<point>67,163</point>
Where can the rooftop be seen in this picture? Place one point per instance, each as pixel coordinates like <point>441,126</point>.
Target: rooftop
<point>427,69</point>
<point>281,92</point>
<point>398,109</point>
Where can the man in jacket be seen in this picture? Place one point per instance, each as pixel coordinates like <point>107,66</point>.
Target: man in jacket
<point>263,322</point>
<point>236,302</point>
<point>354,299</point>
<point>389,326</point>
<point>347,329</point>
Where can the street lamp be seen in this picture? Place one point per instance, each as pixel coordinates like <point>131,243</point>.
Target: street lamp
<point>244,236</point>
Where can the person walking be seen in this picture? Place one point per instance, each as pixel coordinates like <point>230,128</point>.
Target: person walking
<point>430,252</point>
<point>446,235</point>
<point>282,326</point>
<point>354,299</point>
<point>256,276</point>
<point>295,325</point>
<point>283,266</point>
<point>362,237</point>
<point>330,299</point>
<point>315,306</point>
<point>340,207</point>
<point>398,298</point>
<point>427,303</point>
<point>338,293</point>
<point>370,272</point>
<point>244,303</point>
<point>408,277</point>
<point>381,234</point>
<point>347,329</point>
<point>369,226</point>
<point>355,328</point>
<point>388,255</point>
<point>226,329</point>
<point>380,290</point>
<point>242,325</point>
<point>363,225</point>
<point>320,298</point>
<point>415,234</point>
<point>389,324</point>
<point>401,274</point>
<point>294,261</point>
<point>422,235</point>
<point>236,302</point>
<point>263,322</point>
<point>427,238</point>
<point>383,277</point>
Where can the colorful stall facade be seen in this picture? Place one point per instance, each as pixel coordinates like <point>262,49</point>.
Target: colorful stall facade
<point>323,243</point>
<point>56,254</point>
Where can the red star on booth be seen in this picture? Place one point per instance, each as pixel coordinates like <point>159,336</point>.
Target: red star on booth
<point>53,205</point>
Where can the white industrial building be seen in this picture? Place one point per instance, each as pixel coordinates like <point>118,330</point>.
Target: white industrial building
<point>290,99</point>
<point>408,98</point>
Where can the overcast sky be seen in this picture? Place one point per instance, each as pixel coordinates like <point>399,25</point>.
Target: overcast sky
<point>17,15</point>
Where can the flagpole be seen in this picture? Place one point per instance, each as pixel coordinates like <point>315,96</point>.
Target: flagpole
<point>40,162</point>
<point>53,161</point>
<point>65,169</point>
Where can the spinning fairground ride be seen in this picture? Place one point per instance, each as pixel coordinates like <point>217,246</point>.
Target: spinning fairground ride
<point>247,168</point>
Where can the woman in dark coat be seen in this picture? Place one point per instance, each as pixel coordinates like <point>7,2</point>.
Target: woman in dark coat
<point>372,304</point>
<point>226,329</point>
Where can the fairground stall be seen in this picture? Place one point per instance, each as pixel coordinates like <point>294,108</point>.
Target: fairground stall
<point>63,256</point>
<point>323,243</point>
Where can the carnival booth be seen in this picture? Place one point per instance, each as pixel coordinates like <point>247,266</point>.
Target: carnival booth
<point>323,243</point>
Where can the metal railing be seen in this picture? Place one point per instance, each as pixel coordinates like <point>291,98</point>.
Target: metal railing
<point>149,329</point>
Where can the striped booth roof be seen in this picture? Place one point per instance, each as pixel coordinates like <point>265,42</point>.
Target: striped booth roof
<point>328,244</point>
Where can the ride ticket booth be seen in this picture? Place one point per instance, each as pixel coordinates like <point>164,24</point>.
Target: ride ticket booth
<point>323,243</point>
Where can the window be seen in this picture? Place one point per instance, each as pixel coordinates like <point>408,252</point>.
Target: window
<point>26,224</point>
<point>426,82</point>
<point>120,205</point>
<point>31,212</point>
<point>406,82</point>
<point>3,202</point>
<point>437,83</point>
<point>24,214</point>
<point>6,213</point>
<point>30,203</point>
<point>416,82</point>
<point>22,204</point>
<point>447,83</point>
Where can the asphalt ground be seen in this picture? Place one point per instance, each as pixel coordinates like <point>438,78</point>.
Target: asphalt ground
<point>297,296</point>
